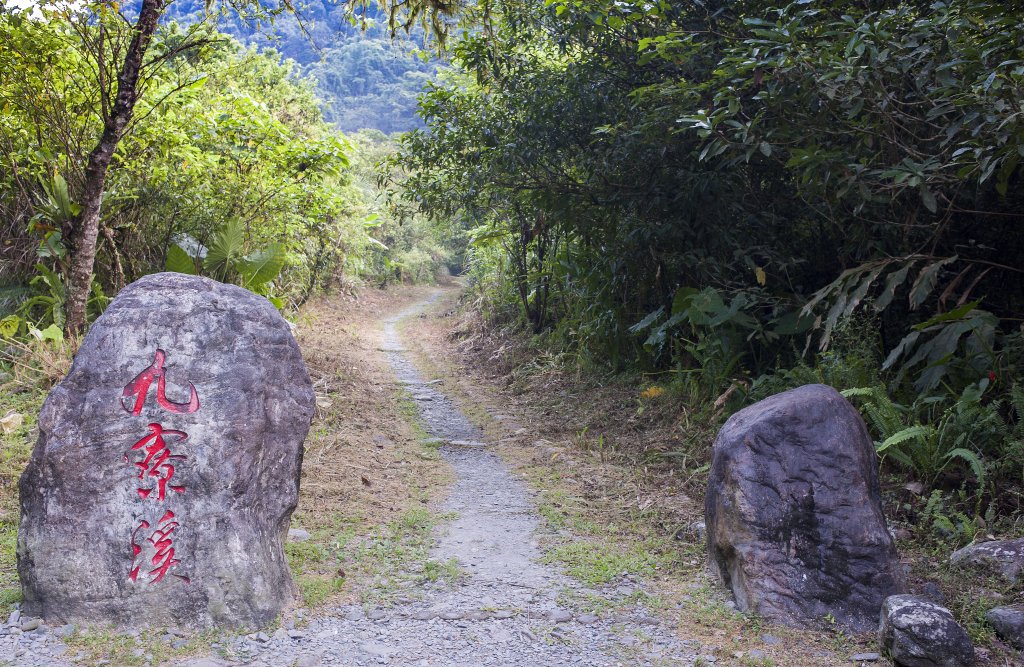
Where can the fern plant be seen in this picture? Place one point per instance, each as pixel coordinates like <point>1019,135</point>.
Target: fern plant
<point>1009,462</point>
<point>930,449</point>
<point>945,522</point>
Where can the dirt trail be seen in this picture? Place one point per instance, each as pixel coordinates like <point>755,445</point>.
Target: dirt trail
<point>505,608</point>
<point>492,535</point>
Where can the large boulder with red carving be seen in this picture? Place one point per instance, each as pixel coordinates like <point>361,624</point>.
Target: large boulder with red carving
<point>794,519</point>
<point>167,466</point>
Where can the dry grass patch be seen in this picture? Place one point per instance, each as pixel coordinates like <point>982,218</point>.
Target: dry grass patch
<point>365,482</point>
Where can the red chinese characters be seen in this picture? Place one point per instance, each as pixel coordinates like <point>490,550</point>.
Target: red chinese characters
<point>159,461</point>
<point>156,470</point>
<point>163,559</point>
<point>139,387</point>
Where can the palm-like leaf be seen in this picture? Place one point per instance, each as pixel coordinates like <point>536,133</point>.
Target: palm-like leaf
<point>179,261</point>
<point>226,249</point>
<point>261,267</point>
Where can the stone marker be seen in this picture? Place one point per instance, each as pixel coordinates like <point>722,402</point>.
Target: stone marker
<point>793,513</point>
<point>916,632</point>
<point>167,465</point>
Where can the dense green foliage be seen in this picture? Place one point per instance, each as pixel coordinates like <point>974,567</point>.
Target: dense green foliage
<point>229,169</point>
<point>368,83</point>
<point>222,133</point>
<point>405,245</point>
<point>715,188</point>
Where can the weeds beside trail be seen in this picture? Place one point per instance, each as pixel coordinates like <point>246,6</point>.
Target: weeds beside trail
<point>366,477</point>
<point>620,470</point>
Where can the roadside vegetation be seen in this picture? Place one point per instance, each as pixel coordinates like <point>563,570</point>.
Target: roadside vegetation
<point>727,200</point>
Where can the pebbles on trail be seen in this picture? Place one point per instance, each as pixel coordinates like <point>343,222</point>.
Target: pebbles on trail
<point>506,610</point>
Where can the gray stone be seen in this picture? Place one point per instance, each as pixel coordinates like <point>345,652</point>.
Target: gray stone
<point>1002,557</point>
<point>560,616</point>
<point>30,624</point>
<point>14,618</point>
<point>298,535</point>
<point>916,632</point>
<point>771,640</point>
<point>501,636</point>
<point>586,619</point>
<point>793,512</point>
<point>172,355</point>
<point>866,657</point>
<point>205,662</point>
<point>376,649</point>
<point>308,661</point>
<point>1008,622</point>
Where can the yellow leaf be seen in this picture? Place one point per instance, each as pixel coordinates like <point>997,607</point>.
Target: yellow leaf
<point>761,276</point>
<point>652,392</point>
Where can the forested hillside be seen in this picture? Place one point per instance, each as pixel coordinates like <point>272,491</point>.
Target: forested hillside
<point>364,78</point>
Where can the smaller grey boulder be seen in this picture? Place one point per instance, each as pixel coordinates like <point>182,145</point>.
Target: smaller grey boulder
<point>919,633</point>
<point>1009,623</point>
<point>1002,557</point>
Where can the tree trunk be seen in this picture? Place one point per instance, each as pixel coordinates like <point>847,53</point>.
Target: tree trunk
<point>114,124</point>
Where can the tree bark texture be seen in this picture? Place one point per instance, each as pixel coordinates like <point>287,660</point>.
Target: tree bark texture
<point>114,124</point>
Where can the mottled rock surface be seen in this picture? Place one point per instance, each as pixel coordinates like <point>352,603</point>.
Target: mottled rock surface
<point>167,465</point>
<point>1008,622</point>
<point>1002,557</point>
<point>794,519</point>
<point>916,632</point>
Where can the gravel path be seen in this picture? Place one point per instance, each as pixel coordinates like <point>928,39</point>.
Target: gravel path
<point>505,611</point>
